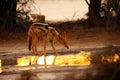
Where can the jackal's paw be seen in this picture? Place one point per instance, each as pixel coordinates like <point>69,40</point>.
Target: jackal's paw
<point>39,54</point>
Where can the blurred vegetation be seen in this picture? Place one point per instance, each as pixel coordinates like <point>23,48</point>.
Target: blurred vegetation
<point>14,15</point>
<point>110,14</point>
<point>105,13</point>
<point>23,11</point>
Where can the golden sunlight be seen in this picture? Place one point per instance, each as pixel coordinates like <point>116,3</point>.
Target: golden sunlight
<point>110,58</point>
<point>49,60</point>
<point>23,61</point>
<point>82,58</point>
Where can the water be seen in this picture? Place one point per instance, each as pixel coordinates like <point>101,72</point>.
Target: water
<point>60,9</point>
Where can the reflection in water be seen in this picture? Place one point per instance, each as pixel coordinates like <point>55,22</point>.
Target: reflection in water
<point>23,61</point>
<point>49,60</point>
<point>35,62</point>
<point>82,58</point>
<point>27,60</point>
<point>110,58</point>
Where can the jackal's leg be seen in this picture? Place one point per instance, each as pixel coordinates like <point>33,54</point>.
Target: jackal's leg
<point>34,47</point>
<point>52,44</point>
<point>45,52</point>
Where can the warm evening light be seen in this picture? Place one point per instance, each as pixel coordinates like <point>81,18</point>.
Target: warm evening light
<point>76,59</point>
<point>110,58</point>
<point>49,60</point>
<point>82,58</point>
<point>23,61</point>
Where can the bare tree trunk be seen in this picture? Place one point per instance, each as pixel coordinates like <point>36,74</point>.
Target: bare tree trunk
<point>2,12</point>
<point>94,12</point>
<point>7,14</point>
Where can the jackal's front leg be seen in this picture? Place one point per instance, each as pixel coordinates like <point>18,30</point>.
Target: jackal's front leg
<point>52,44</point>
<point>45,52</point>
<point>56,53</point>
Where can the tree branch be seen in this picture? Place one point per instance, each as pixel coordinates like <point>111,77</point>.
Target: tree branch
<point>87,2</point>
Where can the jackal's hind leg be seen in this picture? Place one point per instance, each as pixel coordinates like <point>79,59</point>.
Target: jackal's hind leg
<point>34,47</point>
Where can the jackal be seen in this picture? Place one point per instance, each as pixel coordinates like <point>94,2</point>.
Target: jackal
<point>46,33</point>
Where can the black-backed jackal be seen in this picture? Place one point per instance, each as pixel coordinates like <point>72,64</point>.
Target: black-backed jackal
<point>46,33</point>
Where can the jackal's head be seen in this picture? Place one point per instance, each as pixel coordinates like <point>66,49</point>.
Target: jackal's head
<point>62,39</point>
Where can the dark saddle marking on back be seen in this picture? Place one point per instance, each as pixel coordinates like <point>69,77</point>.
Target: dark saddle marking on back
<point>41,25</point>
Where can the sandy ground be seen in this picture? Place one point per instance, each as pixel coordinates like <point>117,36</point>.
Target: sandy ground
<point>77,38</point>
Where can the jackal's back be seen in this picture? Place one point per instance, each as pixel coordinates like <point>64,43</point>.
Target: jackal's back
<point>42,31</point>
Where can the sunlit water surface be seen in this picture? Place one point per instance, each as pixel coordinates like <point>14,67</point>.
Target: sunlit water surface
<point>33,62</point>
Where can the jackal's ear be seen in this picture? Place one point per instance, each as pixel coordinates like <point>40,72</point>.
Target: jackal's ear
<point>64,35</point>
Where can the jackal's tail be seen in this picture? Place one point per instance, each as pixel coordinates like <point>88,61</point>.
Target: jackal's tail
<point>29,42</point>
